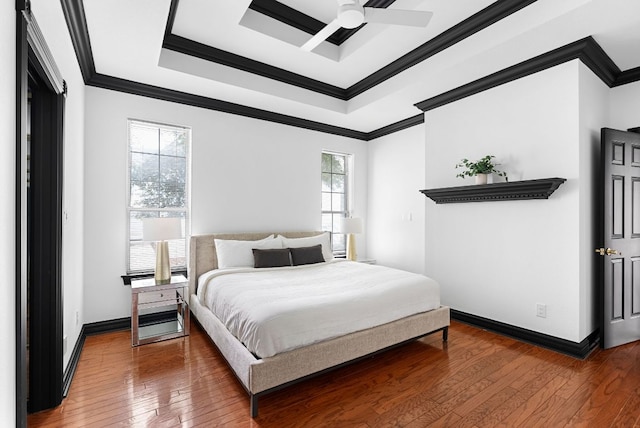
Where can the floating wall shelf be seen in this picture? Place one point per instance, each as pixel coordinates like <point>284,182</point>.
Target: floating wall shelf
<point>513,190</point>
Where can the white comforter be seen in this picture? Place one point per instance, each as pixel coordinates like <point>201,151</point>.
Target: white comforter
<point>279,309</point>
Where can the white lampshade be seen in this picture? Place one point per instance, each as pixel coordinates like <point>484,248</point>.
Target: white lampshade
<point>161,229</point>
<point>350,225</point>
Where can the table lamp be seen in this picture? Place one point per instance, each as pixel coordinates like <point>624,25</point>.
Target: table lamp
<point>160,230</point>
<point>351,226</point>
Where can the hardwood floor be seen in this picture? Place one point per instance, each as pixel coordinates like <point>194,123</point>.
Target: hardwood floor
<point>479,379</point>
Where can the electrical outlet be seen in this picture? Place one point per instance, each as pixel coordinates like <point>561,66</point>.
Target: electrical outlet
<point>541,310</point>
<point>77,317</point>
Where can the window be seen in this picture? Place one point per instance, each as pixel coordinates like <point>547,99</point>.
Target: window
<point>335,196</point>
<point>157,187</point>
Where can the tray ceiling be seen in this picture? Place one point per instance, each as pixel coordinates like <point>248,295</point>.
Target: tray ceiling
<point>247,52</point>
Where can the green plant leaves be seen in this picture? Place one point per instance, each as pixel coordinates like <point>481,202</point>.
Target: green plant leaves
<point>484,165</point>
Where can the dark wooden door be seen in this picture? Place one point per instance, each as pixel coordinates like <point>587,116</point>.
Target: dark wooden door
<point>621,241</point>
<point>44,246</point>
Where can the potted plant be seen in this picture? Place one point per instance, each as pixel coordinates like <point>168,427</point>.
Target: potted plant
<point>480,169</point>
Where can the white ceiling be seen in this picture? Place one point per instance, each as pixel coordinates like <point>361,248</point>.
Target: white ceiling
<point>126,39</point>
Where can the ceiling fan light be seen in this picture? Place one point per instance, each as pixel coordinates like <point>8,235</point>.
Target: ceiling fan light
<point>350,15</point>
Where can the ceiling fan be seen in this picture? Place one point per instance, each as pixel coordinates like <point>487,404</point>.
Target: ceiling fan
<point>351,14</point>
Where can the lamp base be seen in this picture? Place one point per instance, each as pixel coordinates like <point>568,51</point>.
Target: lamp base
<point>163,265</point>
<point>351,247</point>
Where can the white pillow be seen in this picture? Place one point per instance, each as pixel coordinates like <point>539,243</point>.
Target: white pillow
<point>239,253</point>
<point>323,239</point>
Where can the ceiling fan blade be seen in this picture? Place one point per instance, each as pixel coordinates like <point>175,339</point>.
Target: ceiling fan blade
<point>321,36</point>
<point>413,18</point>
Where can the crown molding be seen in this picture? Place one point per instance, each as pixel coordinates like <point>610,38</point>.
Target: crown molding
<point>594,57</point>
<point>206,52</point>
<point>77,24</point>
<point>480,20</point>
<point>627,76</point>
<point>397,126</point>
<point>586,50</point>
<point>150,91</point>
<point>171,18</point>
<point>288,15</point>
<point>303,22</point>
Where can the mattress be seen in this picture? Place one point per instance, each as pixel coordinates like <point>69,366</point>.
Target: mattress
<point>276,310</point>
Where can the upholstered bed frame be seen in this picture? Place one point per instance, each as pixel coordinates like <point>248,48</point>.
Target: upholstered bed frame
<point>260,376</point>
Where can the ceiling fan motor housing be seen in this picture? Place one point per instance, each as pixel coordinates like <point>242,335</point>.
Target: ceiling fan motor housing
<point>350,15</point>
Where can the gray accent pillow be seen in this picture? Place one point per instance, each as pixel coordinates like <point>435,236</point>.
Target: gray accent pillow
<point>271,258</point>
<point>307,255</point>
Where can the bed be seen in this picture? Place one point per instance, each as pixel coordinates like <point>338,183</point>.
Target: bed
<point>282,366</point>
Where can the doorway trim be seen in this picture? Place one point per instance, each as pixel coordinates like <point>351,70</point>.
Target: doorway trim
<point>31,49</point>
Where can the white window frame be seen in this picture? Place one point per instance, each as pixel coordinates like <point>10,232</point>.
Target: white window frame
<point>348,198</point>
<point>186,209</point>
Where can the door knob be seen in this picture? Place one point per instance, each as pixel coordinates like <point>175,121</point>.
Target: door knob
<point>607,251</point>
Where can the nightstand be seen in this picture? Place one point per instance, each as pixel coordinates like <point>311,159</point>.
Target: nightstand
<point>159,312</point>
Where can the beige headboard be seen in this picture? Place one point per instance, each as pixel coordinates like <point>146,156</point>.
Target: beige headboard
<point>202,250</point>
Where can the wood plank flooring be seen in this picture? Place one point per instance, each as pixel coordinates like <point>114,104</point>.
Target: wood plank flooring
<point>479,379</point>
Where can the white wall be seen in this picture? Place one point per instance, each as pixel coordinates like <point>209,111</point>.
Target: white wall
<point>247,175</point>
<point>625,106</point>
<point>594,114</point>
<point>498,259</point>
<point>395,228</point>
<point>54,28</point>
<point>7,209</point>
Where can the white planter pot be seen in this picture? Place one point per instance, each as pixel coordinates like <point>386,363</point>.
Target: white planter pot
<point>481,178</point>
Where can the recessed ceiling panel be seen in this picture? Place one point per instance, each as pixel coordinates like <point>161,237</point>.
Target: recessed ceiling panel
<point>622,44</point>
<point>216,24</point>
<point>127,43</point>
<point>323,10</point>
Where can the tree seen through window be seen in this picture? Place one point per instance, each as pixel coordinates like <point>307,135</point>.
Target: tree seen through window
<point>157,187</point>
